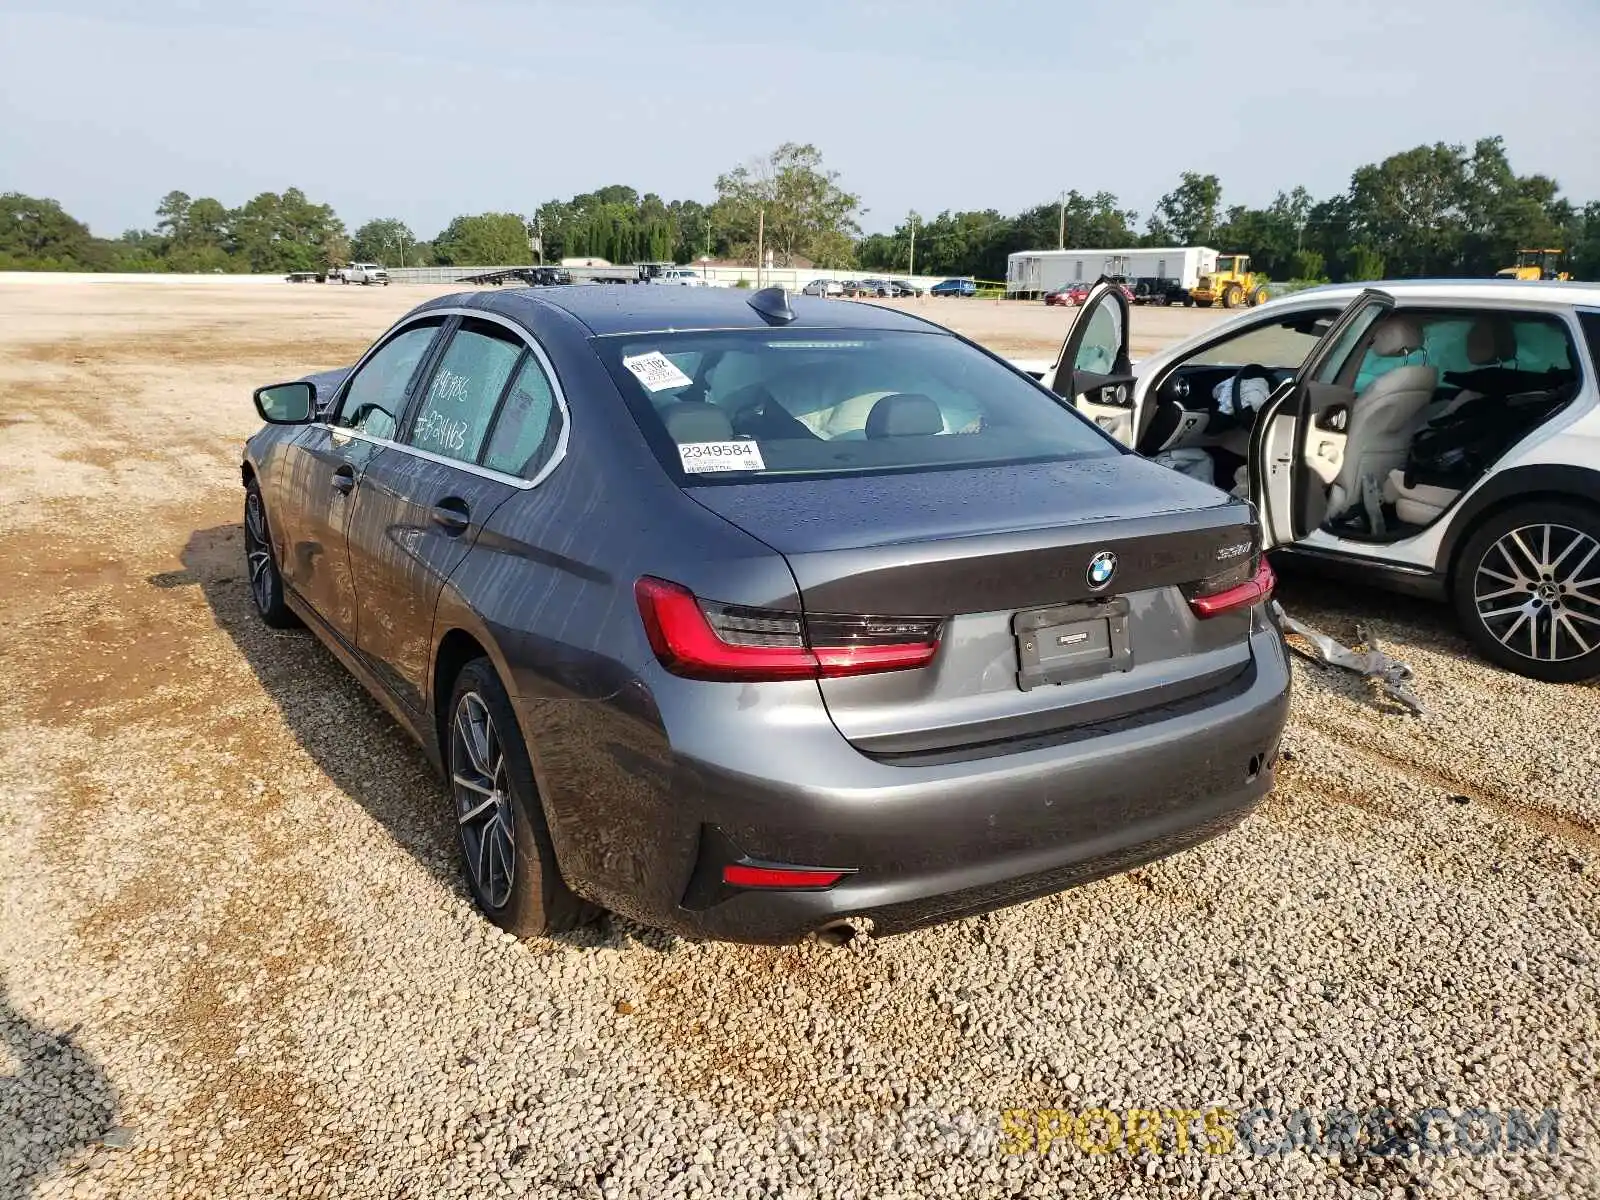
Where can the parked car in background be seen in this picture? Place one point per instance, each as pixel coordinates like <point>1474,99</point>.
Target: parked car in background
<point>954,287</point>
<point>823,287</point>
<point>679,277</point>
<point>878,287</point>
<point>1437,438</point>
<point>1159,291</point>
<point>1069,296</point>
<point>853,287</point>
<point>899,287</point>
<point>868,626</point>
<point>365,273</point>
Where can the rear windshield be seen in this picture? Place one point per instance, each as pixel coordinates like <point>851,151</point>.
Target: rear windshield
<point>740,406</point>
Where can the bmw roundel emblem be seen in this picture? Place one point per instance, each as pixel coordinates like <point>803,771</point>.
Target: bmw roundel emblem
<point>1101,568</point>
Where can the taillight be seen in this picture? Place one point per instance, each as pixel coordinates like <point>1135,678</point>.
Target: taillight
<point>1238,587</point>
<point>699,639</point>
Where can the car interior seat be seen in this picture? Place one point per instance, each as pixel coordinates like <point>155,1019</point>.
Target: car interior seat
<point>1491,342</point>
<point>696,421</point>
<point>904,413</point>
<point>1382,417</point>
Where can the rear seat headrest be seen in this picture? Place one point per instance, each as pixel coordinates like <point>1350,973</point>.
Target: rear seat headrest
<point>1395,336</point>
<point>696,421</point>
<point>902,413</point>
<point>1491,340</point>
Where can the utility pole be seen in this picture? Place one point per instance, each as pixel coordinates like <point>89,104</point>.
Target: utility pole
<point>761,242</point>
<point>911,259</point>
<point>1061,235</point>
<point>708,237</point>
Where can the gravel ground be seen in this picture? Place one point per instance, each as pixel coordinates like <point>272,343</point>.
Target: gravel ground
<point>237,959</point>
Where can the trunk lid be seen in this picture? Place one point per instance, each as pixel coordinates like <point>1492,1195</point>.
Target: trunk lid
<point>1030,646</point>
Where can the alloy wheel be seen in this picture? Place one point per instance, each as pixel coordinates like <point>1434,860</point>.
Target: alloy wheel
<point>258,551</point>
<point>483,800</point>
<point>1537,592</point>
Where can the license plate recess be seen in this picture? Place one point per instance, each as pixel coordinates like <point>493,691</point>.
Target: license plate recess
<point>1071,641</point>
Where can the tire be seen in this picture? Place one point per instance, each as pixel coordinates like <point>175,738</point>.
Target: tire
<point>506,853</point>
<point>261,564</point>
<point>1232,296</point>
<point>1514,593</point>
<point>1258,297</point>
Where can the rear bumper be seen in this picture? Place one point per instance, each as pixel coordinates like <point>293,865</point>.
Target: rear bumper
<point>929,843</point>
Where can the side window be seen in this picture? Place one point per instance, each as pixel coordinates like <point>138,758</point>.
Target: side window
<point>1542,344</point>
<point>1285,344</point>
<point>376,396</point>
<point>529,423</point>
<point>1591,334</point>
<point>1103,340</point>
<point>461,397</point>
<point>1333,367</point>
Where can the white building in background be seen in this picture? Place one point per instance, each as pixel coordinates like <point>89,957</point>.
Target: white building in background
<point>1035,272</point>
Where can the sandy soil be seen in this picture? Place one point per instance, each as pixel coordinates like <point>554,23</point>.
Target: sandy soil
<point>199,818</point>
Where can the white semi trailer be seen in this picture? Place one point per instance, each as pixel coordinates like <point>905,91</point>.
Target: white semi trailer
<point>1031,273</point>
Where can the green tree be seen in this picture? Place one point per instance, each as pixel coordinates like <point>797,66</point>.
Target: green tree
<point>275,233</point>
<point>385,239</point>
<point>206,223</point>
<point>794,197</point>
<point>173,214</point>
<point>37,234</point>
<point>488,239</point>
<point>1189,214</point>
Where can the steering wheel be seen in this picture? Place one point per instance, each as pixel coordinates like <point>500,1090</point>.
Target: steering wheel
<point>1249,371</point>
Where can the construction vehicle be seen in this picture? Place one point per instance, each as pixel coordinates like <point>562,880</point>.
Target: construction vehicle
<point>1231,282</point>
<point>1538,264</point>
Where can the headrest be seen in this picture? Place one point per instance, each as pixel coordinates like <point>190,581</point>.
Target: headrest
<point>1491,340</point>
<point>902,413</point>
<point>696,421</point>
<point>1396,336</point>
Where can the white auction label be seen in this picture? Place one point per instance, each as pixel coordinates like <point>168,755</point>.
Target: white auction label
<point>700,458</point>
<point>656,371</point>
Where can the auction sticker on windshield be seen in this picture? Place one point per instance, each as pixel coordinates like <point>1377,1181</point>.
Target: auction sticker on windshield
<point>656,371</point>
<point>699,458</point>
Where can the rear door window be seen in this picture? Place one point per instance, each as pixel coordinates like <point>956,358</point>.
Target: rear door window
<point>464,391</point>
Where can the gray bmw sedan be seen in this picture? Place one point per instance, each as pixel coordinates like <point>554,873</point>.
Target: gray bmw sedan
<point>752,616</point>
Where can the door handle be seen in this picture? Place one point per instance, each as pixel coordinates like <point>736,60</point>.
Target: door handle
<point>452,515</point>
<point>344,480</point>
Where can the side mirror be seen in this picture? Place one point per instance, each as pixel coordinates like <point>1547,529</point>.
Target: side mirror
<point>286,403</point>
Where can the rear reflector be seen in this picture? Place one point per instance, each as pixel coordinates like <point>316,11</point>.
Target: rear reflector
<point>1252,591</point>
<point>699,639</point>
<point>748,876</point>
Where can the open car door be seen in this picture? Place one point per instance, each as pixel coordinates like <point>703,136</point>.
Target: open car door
<point>1093,369</point>
<point>1297,442</point>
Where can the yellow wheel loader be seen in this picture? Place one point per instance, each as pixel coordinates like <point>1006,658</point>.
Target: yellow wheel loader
<point>1538,264</point>
<point>1232,284</point>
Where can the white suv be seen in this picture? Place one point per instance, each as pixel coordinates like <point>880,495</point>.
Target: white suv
<point>1439,438</point>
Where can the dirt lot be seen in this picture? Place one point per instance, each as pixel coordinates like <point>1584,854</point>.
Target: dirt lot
<point>237,959</point>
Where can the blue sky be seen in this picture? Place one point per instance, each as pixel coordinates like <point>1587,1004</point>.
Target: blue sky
<point>424,111</point>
